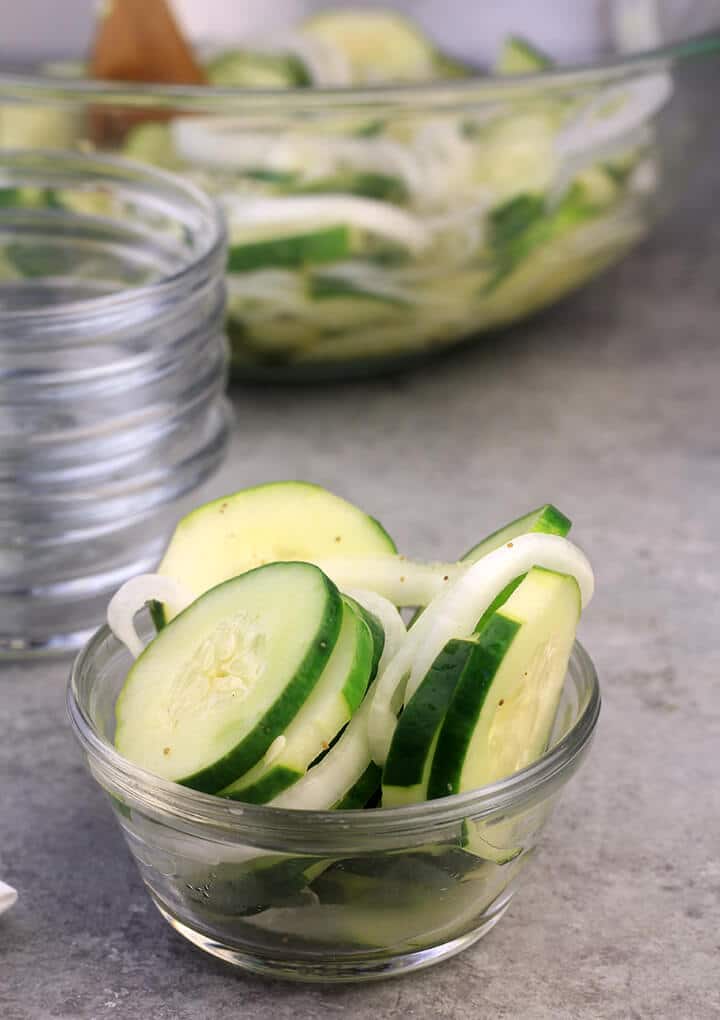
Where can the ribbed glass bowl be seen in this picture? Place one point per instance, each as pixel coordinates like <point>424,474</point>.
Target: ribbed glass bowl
<point>327,896</point>
<point>491,197</point>
<point>113,365</point>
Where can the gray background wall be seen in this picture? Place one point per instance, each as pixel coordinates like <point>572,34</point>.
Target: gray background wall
<point>566,27</point>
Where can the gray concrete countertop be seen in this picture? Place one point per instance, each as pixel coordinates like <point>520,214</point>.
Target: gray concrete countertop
<point>608,406</point>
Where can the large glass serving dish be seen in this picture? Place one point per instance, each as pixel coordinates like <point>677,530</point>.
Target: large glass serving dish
<point>399,189</point>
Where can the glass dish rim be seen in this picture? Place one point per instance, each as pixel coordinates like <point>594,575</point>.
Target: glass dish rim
<point>203,809</point>
<point>476,87</point>
<point>204,265</point>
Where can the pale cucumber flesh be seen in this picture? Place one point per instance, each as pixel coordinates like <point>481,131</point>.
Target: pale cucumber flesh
<point>328,708</point>
<point>501,715</point>
<point>218,685</point>
<point>279,521</point>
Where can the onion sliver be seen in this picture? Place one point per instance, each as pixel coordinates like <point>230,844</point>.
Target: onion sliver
<point>455,613</point>
<point>614,113</point>
<point>131,598</point>
<point>401,581</point>
<point>292,211</point>
<point>390,620</point>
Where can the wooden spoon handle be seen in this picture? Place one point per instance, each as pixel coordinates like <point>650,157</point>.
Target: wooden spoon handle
<point>139,40</point>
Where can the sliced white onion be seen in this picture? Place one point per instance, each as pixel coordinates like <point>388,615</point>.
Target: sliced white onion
<point>217,141</point>
<point>326,783</point>
<point>614,113</point>
<point>379,218</point>
<point>226,143</point>
<point>390,619</point>
<point>473,593</point>
<point>455,613</point>
<point>569,168</point>
<point>283,287</point>
<point>403,582</point>
<point>134,594</point>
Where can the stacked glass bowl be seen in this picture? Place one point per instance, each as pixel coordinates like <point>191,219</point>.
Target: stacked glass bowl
<point>112,372</point>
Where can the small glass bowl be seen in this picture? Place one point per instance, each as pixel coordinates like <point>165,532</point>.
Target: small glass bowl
<point>329,896</point>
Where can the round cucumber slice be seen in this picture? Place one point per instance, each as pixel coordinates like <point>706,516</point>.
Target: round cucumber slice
<point>279,521</point>
<point>252,69</point>
<point>502,710</point>
<point>216,687</point>
<point>346,777</point>
<point>379,46</point>
<point>336,695</point>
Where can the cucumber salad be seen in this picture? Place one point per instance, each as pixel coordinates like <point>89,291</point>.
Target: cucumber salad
<point>375,230</point>
<point>301,661</point>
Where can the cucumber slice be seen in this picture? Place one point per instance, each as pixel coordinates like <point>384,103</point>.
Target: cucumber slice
<point>502,711</point>
<point>455,612</point>
<point>40,127</point>
<point>345,773</point>
<point>377,634</point>
<point>152,143</point>
<point>216,687</point>
<point>448,67</point>
<point>379,46</point>
<point>294,250</point>
<point>278,521</point>
<point>410,757</point>
<point>362,793</point>
<point>518,228</point>
<point>546,520</point>
<point>336,695</point>
<point>518,56</point>
<point>245,889</point>
<point>248,69</point>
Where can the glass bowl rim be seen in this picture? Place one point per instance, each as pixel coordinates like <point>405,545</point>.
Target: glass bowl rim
<point>476,87</point>
<point>182,803</point>
<point>100,168</point>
